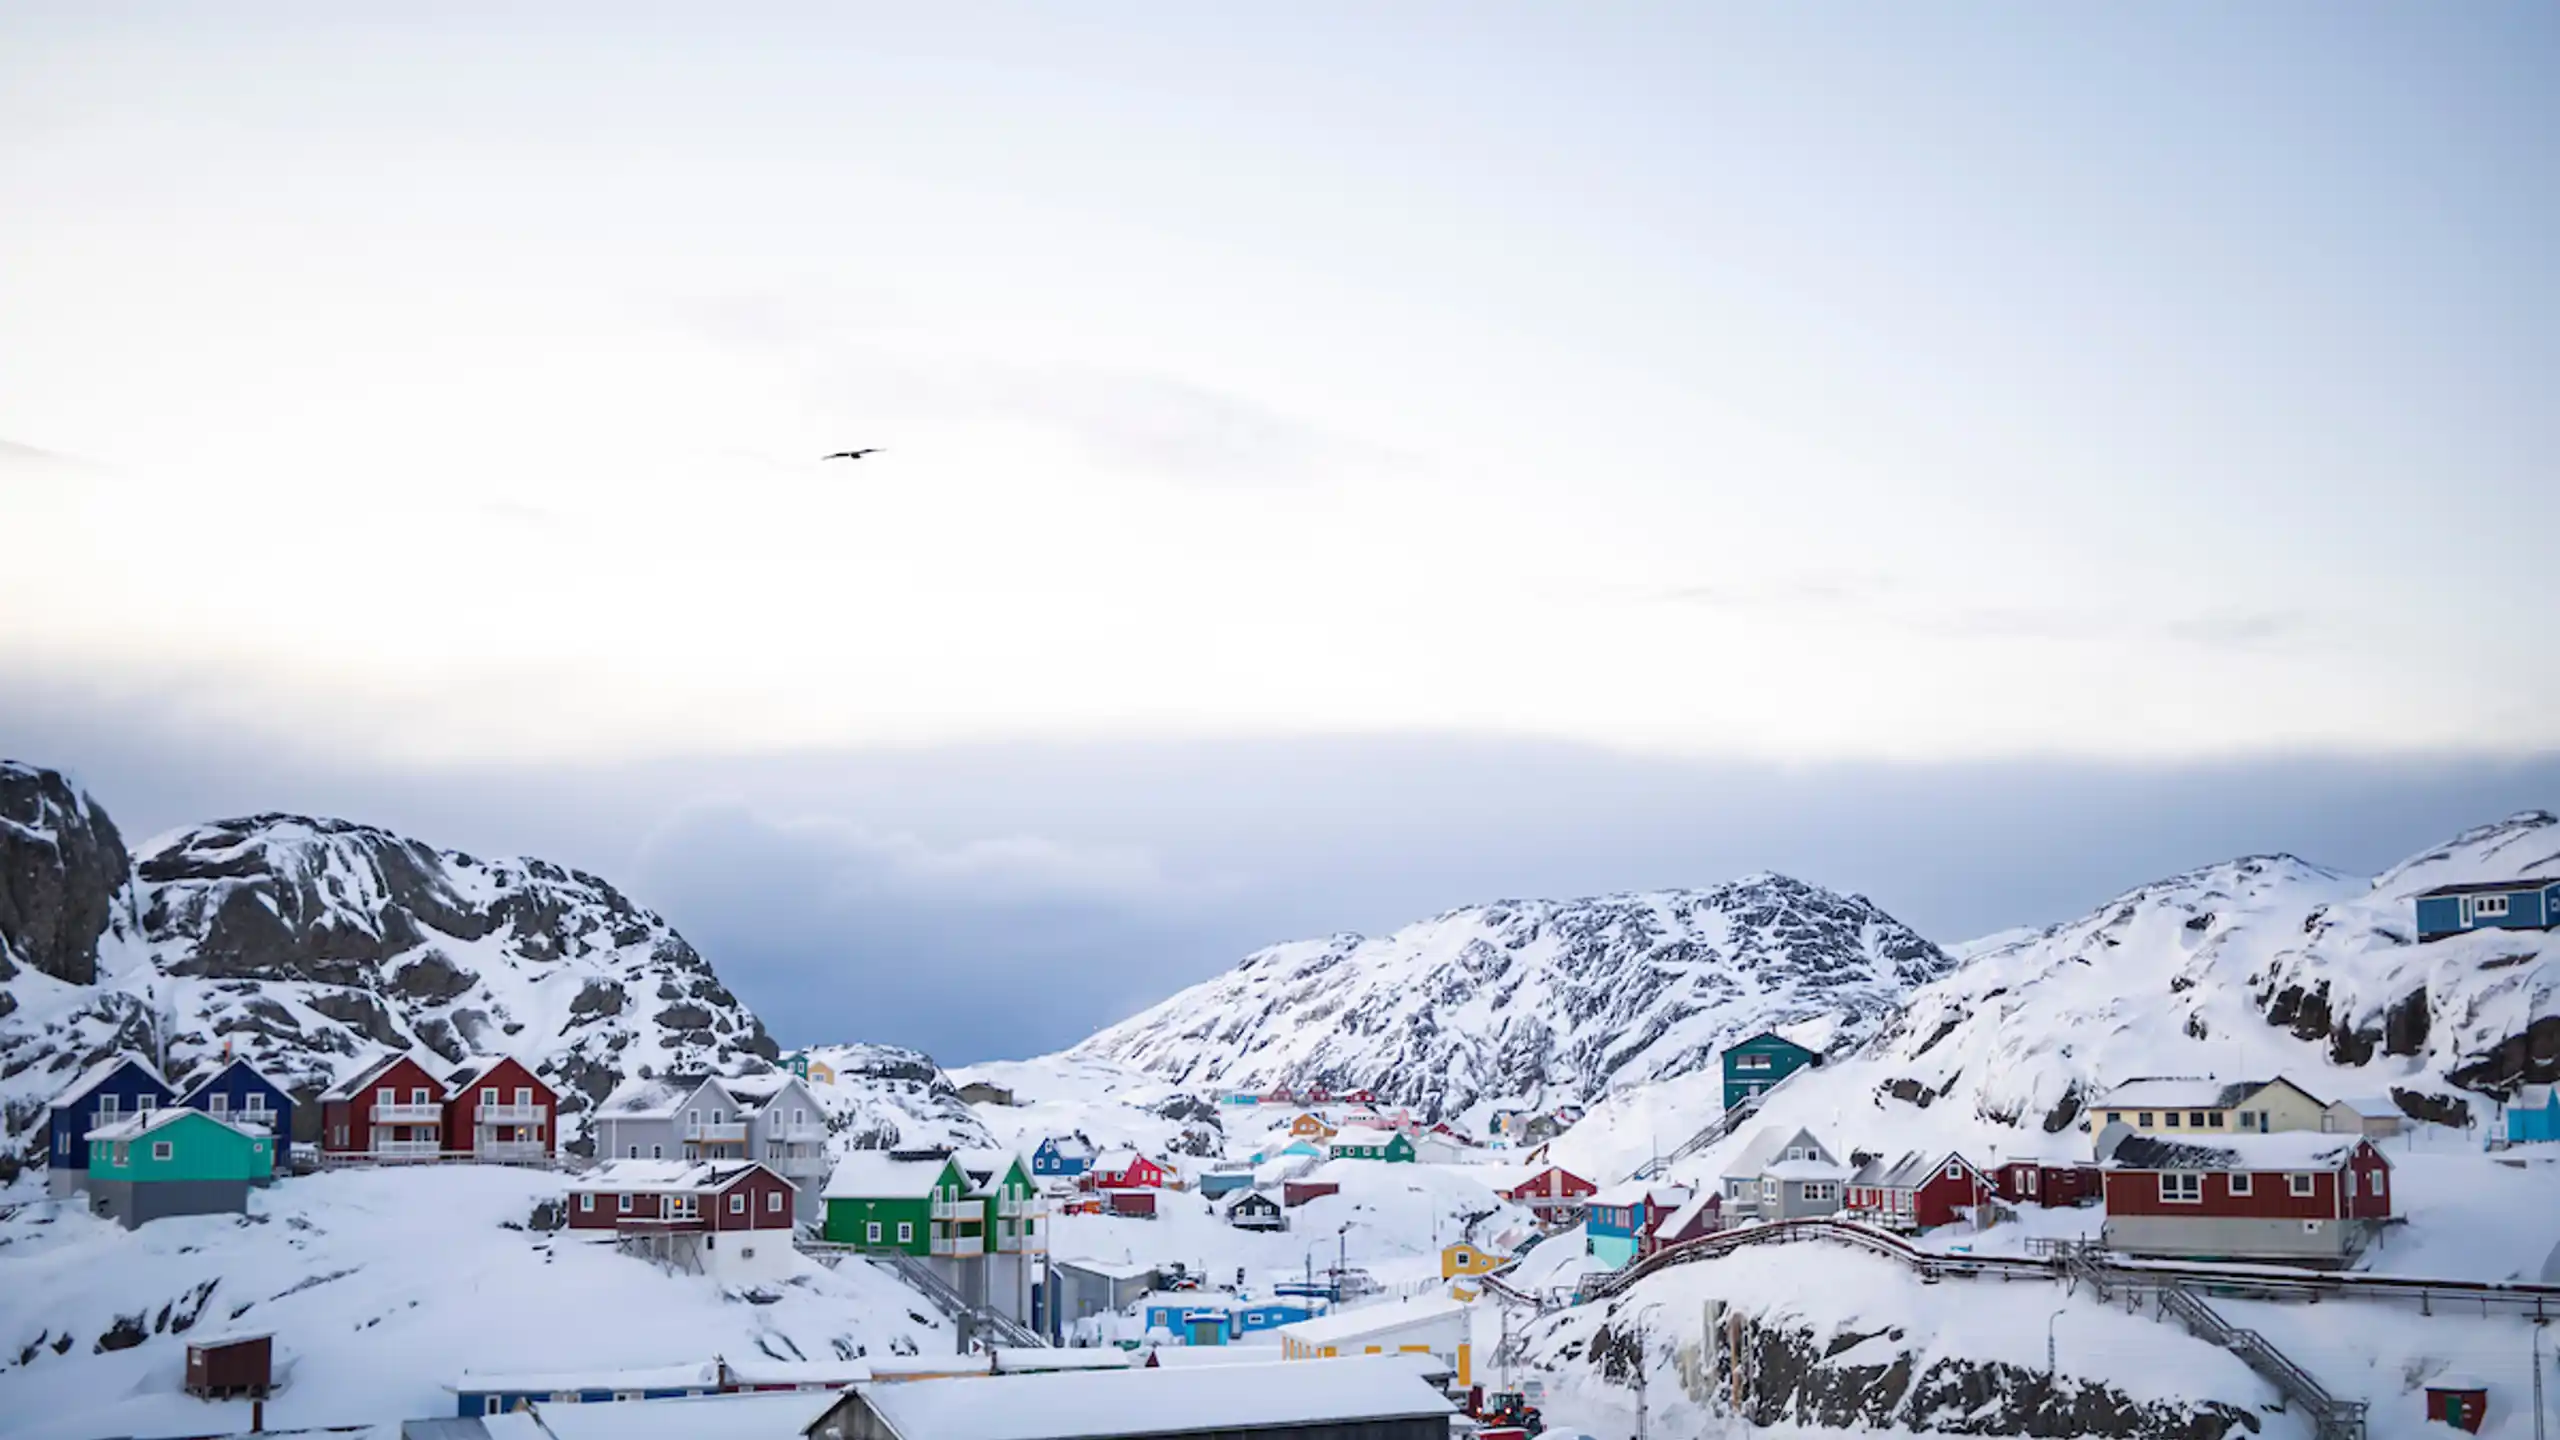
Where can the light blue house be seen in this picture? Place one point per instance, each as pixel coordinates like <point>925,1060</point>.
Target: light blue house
<point>2534,1115</point>
<point>1295,1147</point>
<point>1620,1217</point>
<point>2491,905</point>
<point>1217,1183</point>
<point>1216,1318</point>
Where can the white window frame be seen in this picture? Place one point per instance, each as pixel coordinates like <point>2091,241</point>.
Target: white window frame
<point>2181,1187</point>
<point>737,1204</point>
<point>2301,1186</point>
<point>385,1095</point>
<point>2240,1183</point>
<point>906,1232</point>
<point>871,1233</point>
<point>2491,907</point>
<point>146,1105</point>
<point>418,1095</point>
<point>163,1150</point>
<point>1955,1169</point>
<point>2142,1120</point>
<point>524,1094</point>
<point>255,1102</point>
<point>217,1104</point>
<point>2373,1183</point>
<point>622,1203</point>
<point>773,1202</point>
<point>488,1094</point>
<point>657,1152</point>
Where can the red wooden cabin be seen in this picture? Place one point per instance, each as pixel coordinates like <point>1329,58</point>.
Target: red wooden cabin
<point>1130,1204</point>
<point>1701,1217</point>
<point>502,1113</point>
<point>2296,1196</point>
<point>392,1109</point>
<point>2050,1184</point>
<point>1294,1193</point>
<point>1554,1195</point>
<point>1124,1170</point>
<point>678,1196</point>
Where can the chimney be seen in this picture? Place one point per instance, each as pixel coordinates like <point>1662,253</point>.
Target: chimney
<point>257,1408</point>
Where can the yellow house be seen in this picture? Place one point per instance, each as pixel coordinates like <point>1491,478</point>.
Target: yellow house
<point>821,1073</point>
<point>2173,1106</point>
<point>1436,1326</point>
<point>1463,1259</point>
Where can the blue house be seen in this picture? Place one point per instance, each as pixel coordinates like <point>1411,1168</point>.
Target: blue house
<point>1753,1066</point>
<point>239,1093</point>
<point>1064,1156</point>
<point>111,1090</point>
<point>1261,1315</point>
<point>1217,1183</point>
<point>2534,1115</point>
<point>2491,905</point>
<point>1204,1318</point>
<point>1620,1217</point>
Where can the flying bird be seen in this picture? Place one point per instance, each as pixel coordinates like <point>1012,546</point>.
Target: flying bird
<point>851,454</point>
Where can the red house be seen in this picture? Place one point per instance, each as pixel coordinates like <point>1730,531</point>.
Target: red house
<point>1359,1097</point>
<point>1555,1195</point>
<point>1701,1217</point>
<point>2051,1184</point>
<point>1916,1192</point>
<point>502,1114</point>
<point>1130,1204</point>
<point>1294,1193</point>
<point>1123,1170</point>
<point>665,1196</point>
<point>392,1109</point>
<point>2299,1197</point>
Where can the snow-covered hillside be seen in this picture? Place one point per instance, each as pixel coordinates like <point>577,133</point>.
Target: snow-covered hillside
<point>884,1098</point>
<point>305,944</point>
<point>380,1286</point>
<point>1536,1002</point>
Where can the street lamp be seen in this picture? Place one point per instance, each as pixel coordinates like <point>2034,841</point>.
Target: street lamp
<point>2052,1372</point>
<point>1641,1413</point>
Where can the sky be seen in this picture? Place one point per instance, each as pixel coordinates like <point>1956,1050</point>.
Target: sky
<point>1333,464</point>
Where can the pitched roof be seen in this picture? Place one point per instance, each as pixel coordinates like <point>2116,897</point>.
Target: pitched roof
<point>1068,1146</point>
<point>655,1097</point>
<point>1689,1214</point>
<point>1115,1161</point>
<point>667,1176</point>
<point>647,1377</point>
<point>1767,1145</point>
<point>98,1074</point>
<point>1364,1321</point>
<point>2284,1150</point>
<point>236,1062</point>
<point>2493,887</point>
<point>1806,1170</point>
<point>758,1087</point>
<point>876,1175</point>
<point>2373,1107</point>
<point>354,1082</point>
<point>133,1127</point>
<point>2532,1097</point>
<point>1640,1192</point>
<point>1255,1198</point>
<point>773,1415</point>
<point>1175,1400</point>
<point>1907,1173</point>
<point>1361,1135</point>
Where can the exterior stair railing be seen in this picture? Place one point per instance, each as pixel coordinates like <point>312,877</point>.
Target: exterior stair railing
<point>2331,1418</point>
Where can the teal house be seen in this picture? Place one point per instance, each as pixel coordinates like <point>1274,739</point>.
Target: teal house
<point>2534,1115</point>
<point>2496,905</point>
<point>1752,1066</point>
<point>177,1161</point>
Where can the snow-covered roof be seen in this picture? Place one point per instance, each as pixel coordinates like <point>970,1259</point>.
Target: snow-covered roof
<point>1767,1144</point>
<point>653,1176</point>
<point>1012,1360</point>
<point>646,1377</point>
<point>2374,1107</point>
<point>1361,1135</point>
<point>1163,1401</point>
<point>1639,1192</point>
<point>986,1162</point>
<point>2493,887</point>
<point>1254,1197</point>
<point>2530,1097</point>
<point>765,1370</point>
<point>96,1075</point>
<point>1365,1321</point>
<point>659,1096</point>
<point>1070,1146</point>
<point>354,1081</point>
<point>1689,1214</point>
<point>1110,1269</point>
<point>2179,1092</point>
<point>134,1127</point>
<point>2284,1150</point>
<point>876,1175</point>
<point>1805,1170</point>
<point>774,1415</point>
<point>236,1062</point>
<point>1116,1160</point>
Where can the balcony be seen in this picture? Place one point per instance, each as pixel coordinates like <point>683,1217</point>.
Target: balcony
<point>959,1245</point>
<point>1016,1207</point>
<point>811,1134</point>
<point>510,1114</point>
<point>958,1210</point>
<point>801,1167</point>
<point>407,1149</point>
<point>706,1132</point>
<point>406,1114</point>
<point>510,1152</point>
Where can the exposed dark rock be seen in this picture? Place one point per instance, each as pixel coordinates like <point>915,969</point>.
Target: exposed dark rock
<point>599,997</point>
<point>685,1018</point>
<point>1910,1092</point>
<point>362,1011</point>
<point>127,1332</point>
<point>433,979</point>
<point>2065,1112</point>
<point>2406,1024</point>
<point>64,875</point>
<point>2437,1109</point>
<point>2532,1058</point>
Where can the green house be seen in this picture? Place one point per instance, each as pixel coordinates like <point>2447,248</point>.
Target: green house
<point>1001,1182</point>
<point>176,1161</point>
<point>1357,1143</point>
<point>1753,1067</point>
<point>910,1201</point>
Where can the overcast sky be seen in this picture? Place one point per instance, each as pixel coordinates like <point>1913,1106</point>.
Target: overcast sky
<point>1334,464</point>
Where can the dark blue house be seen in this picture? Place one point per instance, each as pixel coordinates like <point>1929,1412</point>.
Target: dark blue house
<point>2489,905</point>
<point>239,1093</point>
<point>111,1090</point>
<point>1065,1156</point>
<point>1753,1066</point>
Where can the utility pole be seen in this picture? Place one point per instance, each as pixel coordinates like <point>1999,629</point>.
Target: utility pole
<point>2052,1372</point>
<point>2537,1380</point>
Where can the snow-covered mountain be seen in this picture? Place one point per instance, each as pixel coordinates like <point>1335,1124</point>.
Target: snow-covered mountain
<point>306,943</point>
<point>884,1097</point>
<point>1538,1002</point>
<point>2251,967</point>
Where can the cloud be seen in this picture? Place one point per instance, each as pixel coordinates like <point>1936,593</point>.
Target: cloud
<point>849,863</point>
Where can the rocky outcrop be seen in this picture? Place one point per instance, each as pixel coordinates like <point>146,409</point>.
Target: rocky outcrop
<point>64,876</point>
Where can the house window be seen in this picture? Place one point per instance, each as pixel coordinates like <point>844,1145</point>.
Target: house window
<point>1955,1170</point>
<point>2195,1119</point>
<point>489,1095</point>
<point>386,1096</point>
<point>622,1203</point>
<point>256,1104</point>
<point>1821,1190</point>
<point>2248,1120</point>
<point>635,1153</point>
<point>2240,1184</point>
<point>800,1117</point>
<point>2143,1119</point>
<point>146,1105</point>
<point>2490,907</point>
<point>217,1104</point>
<point>161,1150</point>
<point>906,1232</point>
<point>871,1233</point>
<point>719,1117</point>
<point>737,1204</point>
<point>1795,1152</point>
<point>2185,1188</point>
<point>2213,1121</point>
<point>524,1094</point>
<point>2298,1185</point>
<point>657,1152</point>
<point>418,1096</point>
<point>773,1202</point>
<point>2027,1181</point>
<point>693,1117</point>
<point>124,1154</point>
<point>587,1204</point>
<point>2173,1118</point>
<point>2115,1117</point>
<point>2373,1182</point>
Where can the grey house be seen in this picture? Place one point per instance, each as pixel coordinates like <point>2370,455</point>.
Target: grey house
<point>1801,1189</point>
<point>1748,1196</point>
<point>772,1119</point>
<point>1095,1287</point>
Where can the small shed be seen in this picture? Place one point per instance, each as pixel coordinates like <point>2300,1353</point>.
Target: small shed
<point>1254,1210</point>
<point>2459,1401</point>
<point>1295,1193</point>
<point>225,1367</point>
<point>1130,1204</point>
